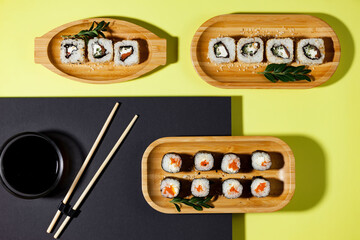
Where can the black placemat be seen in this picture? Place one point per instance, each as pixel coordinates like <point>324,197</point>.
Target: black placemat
<point>116,208</point>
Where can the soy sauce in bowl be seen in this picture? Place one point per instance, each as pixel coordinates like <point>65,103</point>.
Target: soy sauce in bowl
<point>31,165</point>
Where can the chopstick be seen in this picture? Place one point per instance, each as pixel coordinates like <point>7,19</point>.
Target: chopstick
<point>84,165</point>
<point>97,174</point>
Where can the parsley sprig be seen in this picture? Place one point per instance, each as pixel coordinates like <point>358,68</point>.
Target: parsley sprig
<point>91,32</point>
<point>198,203</point>
<point>285,73</point>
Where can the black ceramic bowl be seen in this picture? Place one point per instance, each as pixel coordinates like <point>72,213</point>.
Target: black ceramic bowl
<point>31,165</point>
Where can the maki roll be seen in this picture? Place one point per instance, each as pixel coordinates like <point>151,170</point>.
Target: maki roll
<point>204,161</point>
<point>250,50</point>
<point>311,51</point>
<point>126,53</point>
<point>260,187</point>
<point>170,187</point>
<point>171,162</point>
<point>200,187</point>
<point>230,163</point>
<point>280,50</point>
<point>72,51</point>
<point>260,160</point>
<point>221,50</point>
<point>232,188</point>
<point>100,50</point>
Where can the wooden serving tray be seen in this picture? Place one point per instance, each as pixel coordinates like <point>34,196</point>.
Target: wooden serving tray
<point>243,75</point>
<point>281,175</point>
<point>152,52</point>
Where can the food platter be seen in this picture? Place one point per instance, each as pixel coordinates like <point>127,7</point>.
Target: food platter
<point>281,175</point>
<point>152,52</point>
<point>244,75</point>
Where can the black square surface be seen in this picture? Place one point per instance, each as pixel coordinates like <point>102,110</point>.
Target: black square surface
<point>115,208</point>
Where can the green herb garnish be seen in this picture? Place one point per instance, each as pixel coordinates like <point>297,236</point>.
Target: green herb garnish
<point>198,203</point>
<point>285,73</point>
<point>91,32</point>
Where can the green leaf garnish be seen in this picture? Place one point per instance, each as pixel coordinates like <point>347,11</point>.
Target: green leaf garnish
<point>285,73</point>
<point>196,202</point>
<point>91,32</point>
<point>177,207</point>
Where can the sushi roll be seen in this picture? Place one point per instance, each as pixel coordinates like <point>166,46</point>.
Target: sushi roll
<point>100,50</point>
<point>310,51</point>
<point>204,161</point>
<point>72,51</point>
<point>170,187</point>
<point>260,160</point>
<point>250,50</point>
<point>221,50</point>
<point>200,187</point>
<point>260,187</point>
<point>171,162</point>
<point>126,53</point>
<point>230,163</point>
<point>280,50</point>
<point>232,188</point>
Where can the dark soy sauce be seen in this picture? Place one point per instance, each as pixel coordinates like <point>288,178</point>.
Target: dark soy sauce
<point>31,165</point>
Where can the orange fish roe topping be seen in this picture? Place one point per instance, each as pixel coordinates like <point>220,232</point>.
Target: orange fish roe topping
<point>233,190</point>
<point>175,161</point>
<point>233,165</point>
<point>204,163</point>
<point>199,188</point>
<point>260,187</point>
<point>170,190</point>
<point>264,163</point>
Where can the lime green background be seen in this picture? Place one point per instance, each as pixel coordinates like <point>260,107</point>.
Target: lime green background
<point>321,125</point>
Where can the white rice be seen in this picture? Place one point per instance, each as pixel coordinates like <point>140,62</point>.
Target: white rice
<point>257,57</point>
<point>260,187</point>
<point>230,163</point>
<point>106,43</point>
<point>287,42</point>
<point>200,187</point>
<point>171,163</point>
<point>232,188</point>
<point>317,42</point>
<point>204,161</point>
<point>170,187</point>
<point>132,59</point>
<point>260,160</point>
<point>78,53</point>
<point>229,44</point>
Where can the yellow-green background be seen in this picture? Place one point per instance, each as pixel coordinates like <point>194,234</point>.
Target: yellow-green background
<point>321,124</point>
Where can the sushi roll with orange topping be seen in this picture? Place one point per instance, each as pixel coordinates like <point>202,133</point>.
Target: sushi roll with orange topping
<point>260,187</point>
<point>260,160</point>
<point>232,188</point>
<point>170,187</point>
<point>126,53</point>
<point>230,163</point>
<point>171,162</point>
<point>100,50</point>
<point>200,187</point>
<point>204,161</point>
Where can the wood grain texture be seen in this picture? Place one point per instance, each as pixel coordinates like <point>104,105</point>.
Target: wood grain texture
<point>281,174</point>
<point>242,75</point>
<point>152,52</point>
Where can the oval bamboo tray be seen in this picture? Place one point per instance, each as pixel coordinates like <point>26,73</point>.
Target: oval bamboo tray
<point>242,75</point>
<point>281,175</point>
<point>152,52</point>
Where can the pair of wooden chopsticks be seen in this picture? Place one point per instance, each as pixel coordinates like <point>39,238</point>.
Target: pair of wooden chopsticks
<point>83,167</point>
